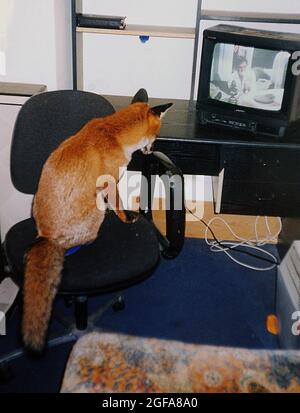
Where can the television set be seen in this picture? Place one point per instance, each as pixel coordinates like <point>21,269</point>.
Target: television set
<point>250,80</point>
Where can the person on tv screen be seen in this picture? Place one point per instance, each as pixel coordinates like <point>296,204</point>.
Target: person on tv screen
<point>243,79</point>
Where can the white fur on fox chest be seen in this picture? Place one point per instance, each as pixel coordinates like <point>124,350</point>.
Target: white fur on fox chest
<point>129,149</point>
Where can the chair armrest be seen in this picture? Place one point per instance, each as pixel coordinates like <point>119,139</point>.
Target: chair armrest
<point>159,164</point>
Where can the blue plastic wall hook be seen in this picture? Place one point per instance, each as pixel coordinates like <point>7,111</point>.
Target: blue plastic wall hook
<point>144,39</point>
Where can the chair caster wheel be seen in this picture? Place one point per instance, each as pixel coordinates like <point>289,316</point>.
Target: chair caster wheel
<point>119,305</point>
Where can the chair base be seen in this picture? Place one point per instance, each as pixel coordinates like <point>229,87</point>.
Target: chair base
<point>73,330</point>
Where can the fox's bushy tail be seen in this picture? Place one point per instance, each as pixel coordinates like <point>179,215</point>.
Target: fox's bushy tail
<point>43,268</point>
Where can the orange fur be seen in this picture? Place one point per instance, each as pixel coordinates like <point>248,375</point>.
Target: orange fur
<point>65,204</point>
<point>44,263</point>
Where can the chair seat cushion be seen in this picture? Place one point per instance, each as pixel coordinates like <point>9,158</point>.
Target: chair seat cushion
<point>123,254</point>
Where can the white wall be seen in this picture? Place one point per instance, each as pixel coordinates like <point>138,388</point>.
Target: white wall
<point>180,13</point>
<point>122,64</point>
<point>63,43</point>
<point>268,6</point>
<point>35,42</point>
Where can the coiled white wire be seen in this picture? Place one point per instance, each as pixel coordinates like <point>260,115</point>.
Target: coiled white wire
<point>255,244</point>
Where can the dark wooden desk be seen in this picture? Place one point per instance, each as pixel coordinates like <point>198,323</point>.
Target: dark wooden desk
<point>261,175</point>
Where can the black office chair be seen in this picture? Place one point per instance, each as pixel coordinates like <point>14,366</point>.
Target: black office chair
<point>123,254</point>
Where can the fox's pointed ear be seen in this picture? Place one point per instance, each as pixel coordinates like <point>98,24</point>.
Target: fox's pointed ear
<point>140,96</point>
<point>161,110</point>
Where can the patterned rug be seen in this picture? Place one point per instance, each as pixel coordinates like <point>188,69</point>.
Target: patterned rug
<point>105,362</point>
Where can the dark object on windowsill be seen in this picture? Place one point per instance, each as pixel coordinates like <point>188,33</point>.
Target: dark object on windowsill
<point>101,21</point>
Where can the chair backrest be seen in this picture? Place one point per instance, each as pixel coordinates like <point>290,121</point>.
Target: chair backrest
<point>43,123</point>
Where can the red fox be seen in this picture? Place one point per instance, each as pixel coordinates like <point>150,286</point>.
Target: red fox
<point>64,207</point>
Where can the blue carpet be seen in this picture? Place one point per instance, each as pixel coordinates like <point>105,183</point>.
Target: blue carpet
<point>200,297</point>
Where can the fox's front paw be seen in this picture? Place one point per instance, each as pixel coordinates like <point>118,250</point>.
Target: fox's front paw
<point>147,150</point>
<point>132,216</point>
<point>128,217</point>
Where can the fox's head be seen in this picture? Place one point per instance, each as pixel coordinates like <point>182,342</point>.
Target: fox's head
<point>148,120</point>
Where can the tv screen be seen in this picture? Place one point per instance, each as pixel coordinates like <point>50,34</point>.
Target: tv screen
<point>248,76</point>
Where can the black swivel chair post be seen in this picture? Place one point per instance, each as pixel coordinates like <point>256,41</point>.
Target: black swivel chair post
<point>158,164</point>
<point>43,123</point>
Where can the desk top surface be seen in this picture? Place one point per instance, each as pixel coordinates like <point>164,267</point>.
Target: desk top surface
<point>181,124</point>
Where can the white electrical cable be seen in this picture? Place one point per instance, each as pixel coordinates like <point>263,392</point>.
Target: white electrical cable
<point>252,243</point>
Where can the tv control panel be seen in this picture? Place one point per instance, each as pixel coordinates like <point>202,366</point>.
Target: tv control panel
<point>229,121</point>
